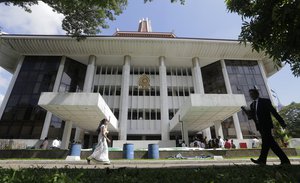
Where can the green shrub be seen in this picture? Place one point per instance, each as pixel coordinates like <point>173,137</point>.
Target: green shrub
<point>219,174</point>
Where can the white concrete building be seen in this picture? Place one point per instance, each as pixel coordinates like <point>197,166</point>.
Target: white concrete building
<point>154,87</point>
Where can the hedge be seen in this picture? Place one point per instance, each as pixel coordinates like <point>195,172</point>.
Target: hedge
<point>244,174</point>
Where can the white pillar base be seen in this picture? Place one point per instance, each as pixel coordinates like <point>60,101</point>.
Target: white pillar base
<point>238,131</point>
<point>207,133</point>
<point>219,130</point>
<point>66,135</point>
<point>73,158</point>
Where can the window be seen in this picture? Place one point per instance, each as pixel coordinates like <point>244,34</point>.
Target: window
<point>22,114</point>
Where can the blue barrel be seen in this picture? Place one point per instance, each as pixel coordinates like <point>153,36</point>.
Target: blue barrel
<point>128,151</point>
<point>76,150</point>
<point>153,151</point>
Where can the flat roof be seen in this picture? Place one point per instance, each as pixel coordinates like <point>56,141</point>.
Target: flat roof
<point>111,49</point>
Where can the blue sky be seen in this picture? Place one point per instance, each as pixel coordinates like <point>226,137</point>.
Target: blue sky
<point>197,18</point>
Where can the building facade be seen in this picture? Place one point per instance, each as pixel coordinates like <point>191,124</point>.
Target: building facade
<point>149,84</point>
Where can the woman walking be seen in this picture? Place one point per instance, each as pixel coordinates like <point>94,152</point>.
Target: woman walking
<point>100,153</point>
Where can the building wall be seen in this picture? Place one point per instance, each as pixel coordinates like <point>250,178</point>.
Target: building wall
<point>22,117</point>
<point>72,80</point>
<point>144,115</point>
<point>144,105</point>
<point>245,75</point>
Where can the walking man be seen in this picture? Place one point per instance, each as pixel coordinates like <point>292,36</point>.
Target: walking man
<point>260,111</point>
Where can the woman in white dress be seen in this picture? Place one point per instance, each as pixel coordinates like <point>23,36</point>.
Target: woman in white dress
<point>100,153</point>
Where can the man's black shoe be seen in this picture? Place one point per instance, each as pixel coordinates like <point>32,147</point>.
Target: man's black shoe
<point>257,162</point>
<point>285,163</point>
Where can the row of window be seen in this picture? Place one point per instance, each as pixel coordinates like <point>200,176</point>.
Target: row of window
<point>108,90</point>
<point>117,70</point>
<point>180,91</point>
<point>136,91</point>
<point>144,114</point>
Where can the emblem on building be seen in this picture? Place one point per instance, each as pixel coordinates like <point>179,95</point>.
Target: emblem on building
<point>144,82</point>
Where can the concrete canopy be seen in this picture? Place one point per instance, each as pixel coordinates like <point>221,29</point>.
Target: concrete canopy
<point>203,110</point>
<point>85,110</point>
<point>111,50</point>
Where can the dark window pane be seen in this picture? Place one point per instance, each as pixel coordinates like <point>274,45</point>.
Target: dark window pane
<point>22,112</point>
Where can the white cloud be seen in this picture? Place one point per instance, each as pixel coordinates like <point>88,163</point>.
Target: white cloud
<point>2,70</point>
<point>4,79</point>
<point>1,98</point>
<point>42,20</point>
<point>4,82</point>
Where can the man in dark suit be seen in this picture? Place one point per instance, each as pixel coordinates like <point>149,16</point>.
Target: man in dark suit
<point>260,111</point>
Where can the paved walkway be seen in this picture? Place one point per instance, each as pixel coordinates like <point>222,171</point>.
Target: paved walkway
<point>137,163</point>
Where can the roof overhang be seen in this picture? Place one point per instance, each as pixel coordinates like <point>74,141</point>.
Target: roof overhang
<point>201,111</point>
<point>85,110</point>
<point>111,50</point>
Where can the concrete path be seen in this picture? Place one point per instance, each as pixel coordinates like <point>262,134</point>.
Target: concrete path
<point>137,163</point>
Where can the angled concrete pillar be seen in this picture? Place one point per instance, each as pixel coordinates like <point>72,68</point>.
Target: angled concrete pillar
<point>55,89</point>
<point>206,133</point>
<point>79,135</point>
<point>198,86</point>
<point>11,85</point>
<point>236,121</point>
<point>124,98</point>
<point>89,75</point>
<point>197,76</point>
<point>219,130</point>
<point>66,135</point>
<point>185,134</point>
<point>263,73</point>
<point>163,100</point>
<point>87,87</point>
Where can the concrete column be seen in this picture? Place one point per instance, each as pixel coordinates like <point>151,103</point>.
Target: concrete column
<point>263,73</point>
<point>90,141</point>
<point>197,76</point>
<point>206,133</point>
<point>198,86</point>
<point>55,89</point>
<point>124,98</point>
<point>11,85</point>
<point>66,135</point>
<point>219,130</point>
<point>89,76</point>
<point>79,135</point>
<point>185,133</point>
<point>87,87</point>
<point>236,121</point>
<point>164,127</point>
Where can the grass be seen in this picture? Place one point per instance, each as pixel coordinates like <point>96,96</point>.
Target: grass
<point>220,174</point>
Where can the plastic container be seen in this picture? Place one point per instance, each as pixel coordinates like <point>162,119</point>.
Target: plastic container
<point>153,151</point>
<point>76,150</point>
<point>128,151</point>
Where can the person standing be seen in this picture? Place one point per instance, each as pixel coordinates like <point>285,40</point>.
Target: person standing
<point>233,146</point>
<point>227,144</point>
<point>100,153</point>
<point>55,143</point>
<point>220,142</point>
<point>183,144</point>
<point>45,143</point>
<point>260,111</point>
<point>255,142</point>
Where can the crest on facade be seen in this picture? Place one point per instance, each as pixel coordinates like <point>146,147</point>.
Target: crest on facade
<point>144,82</point>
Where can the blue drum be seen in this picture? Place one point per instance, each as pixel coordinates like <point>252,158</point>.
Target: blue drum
<point>153,151</point>
<point>128,151</point>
